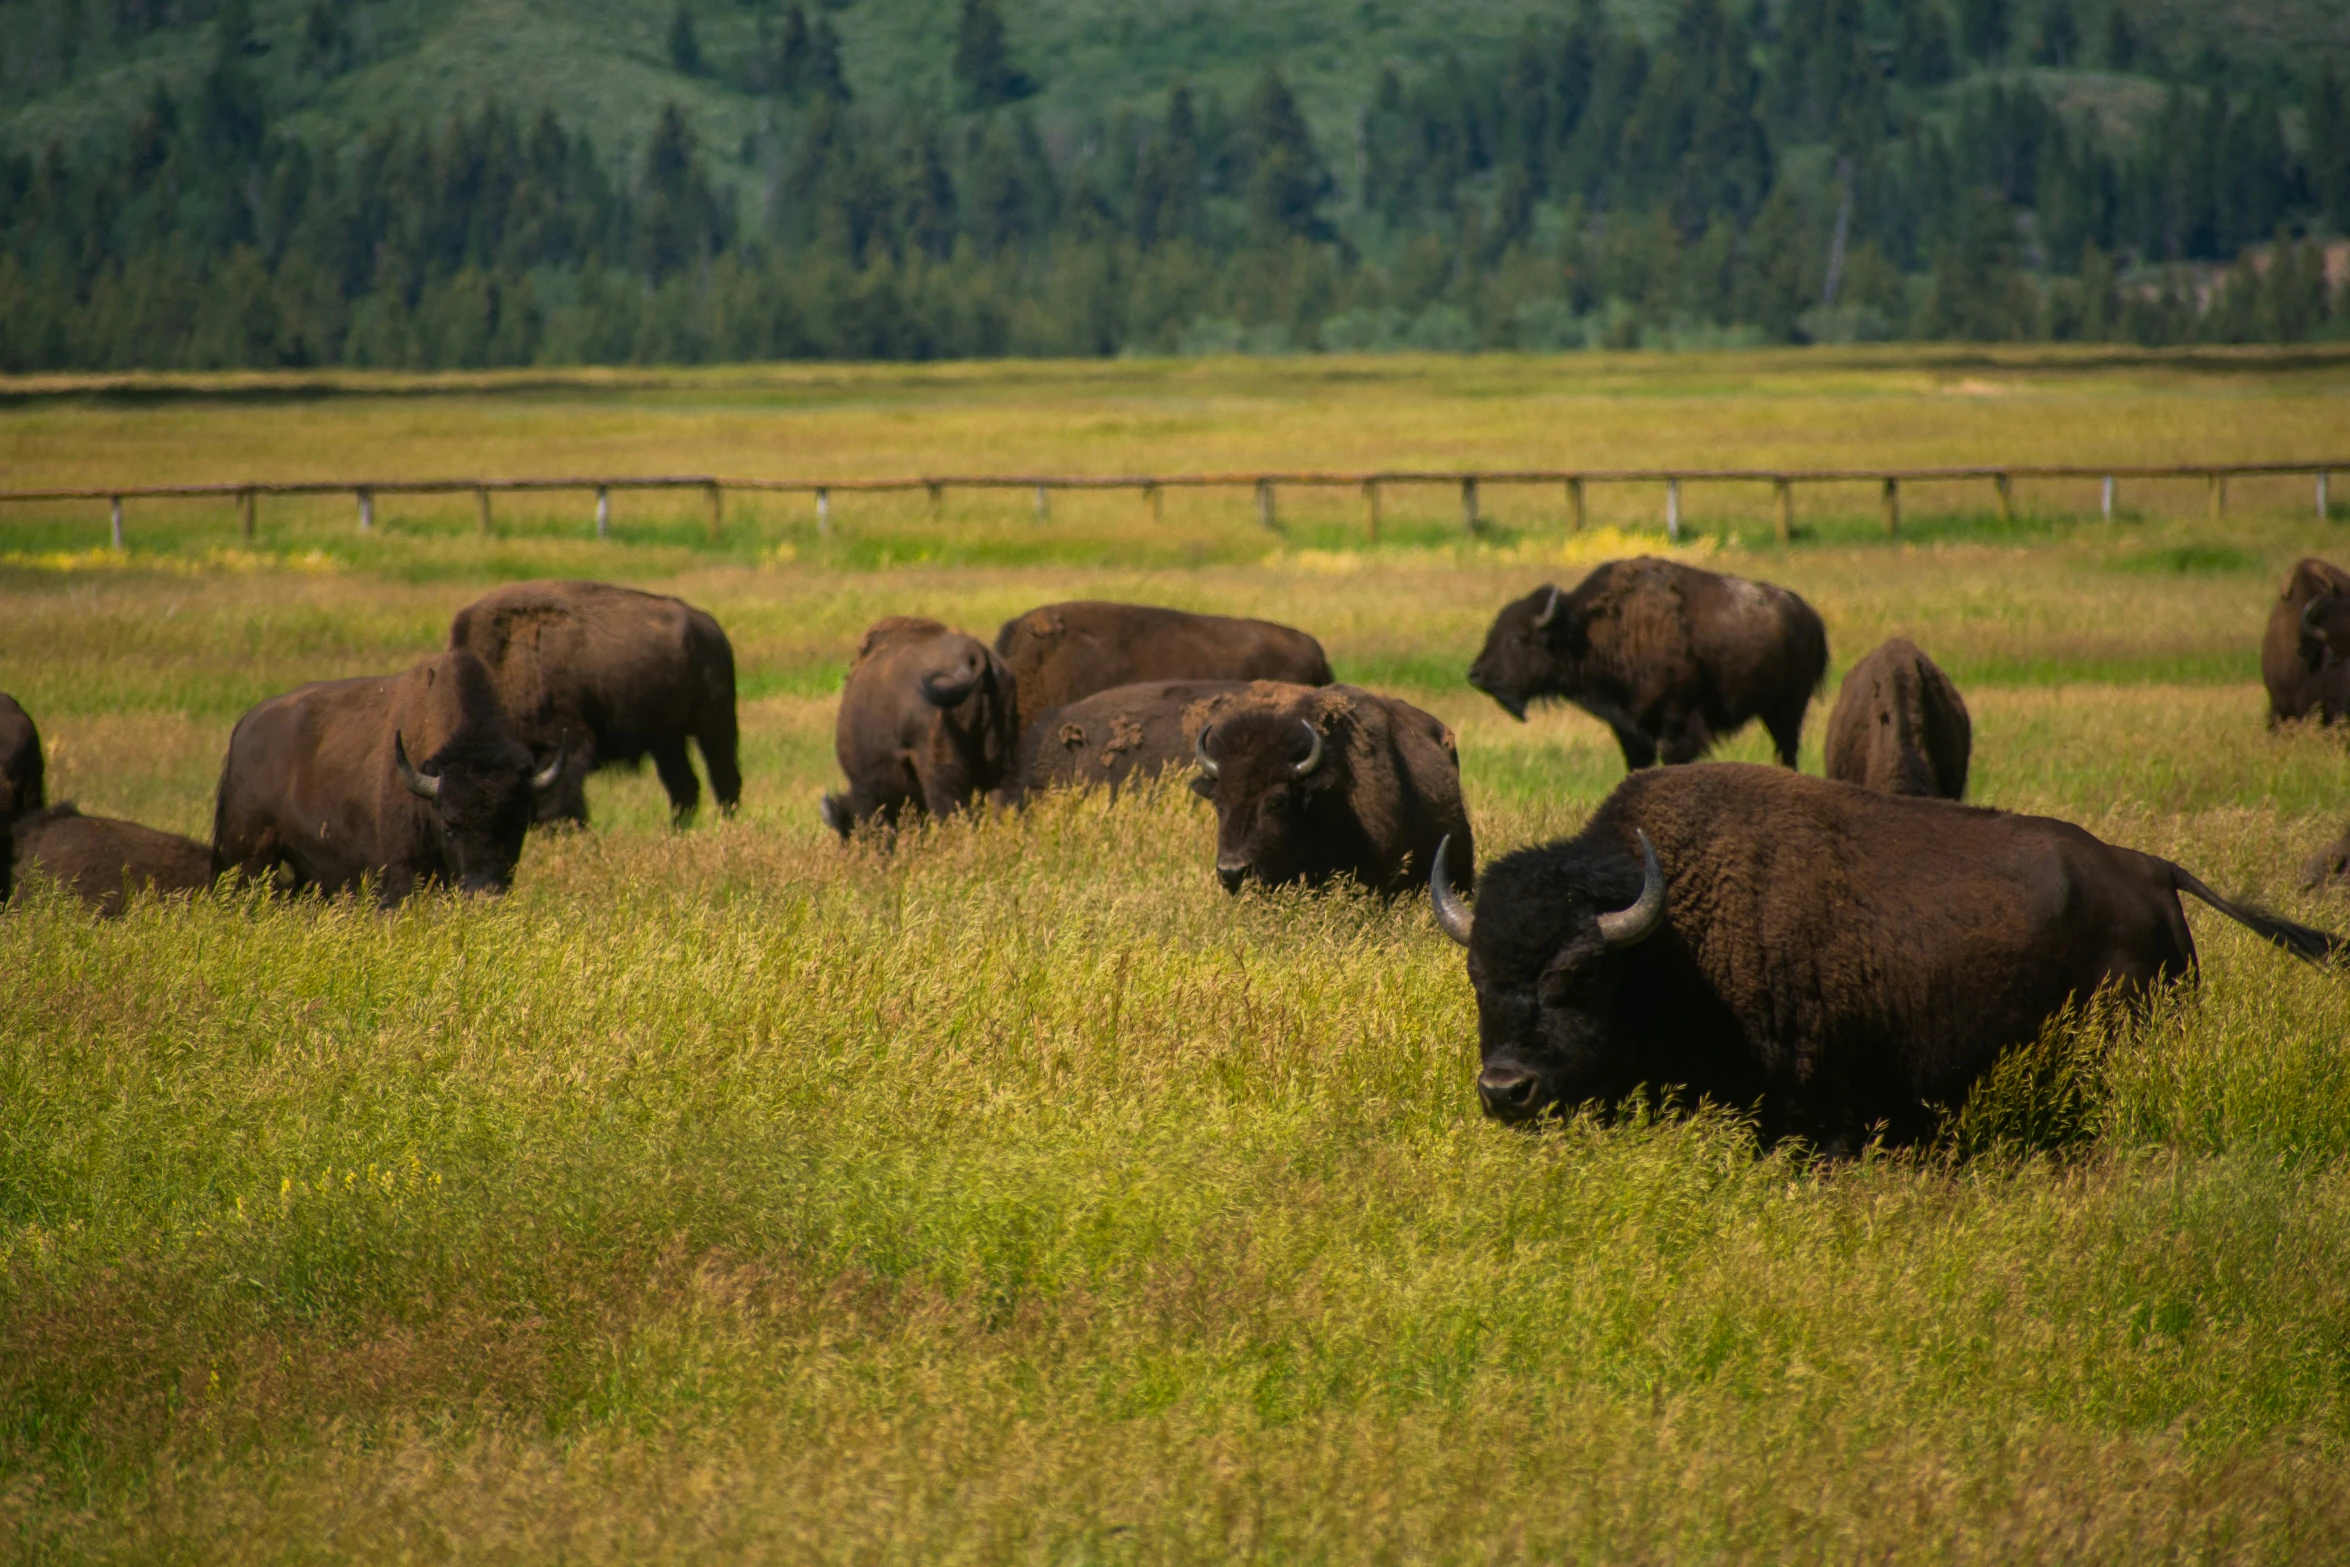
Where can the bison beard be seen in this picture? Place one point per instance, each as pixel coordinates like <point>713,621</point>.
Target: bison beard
<point>1840,961</point>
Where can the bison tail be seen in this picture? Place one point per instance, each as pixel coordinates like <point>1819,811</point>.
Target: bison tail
<point>2303,941</point>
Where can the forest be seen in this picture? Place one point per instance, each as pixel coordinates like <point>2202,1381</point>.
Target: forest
<point>1821,171</point>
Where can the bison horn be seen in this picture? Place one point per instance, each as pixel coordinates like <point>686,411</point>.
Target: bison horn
<point>1199,752</point>
<point>545,778</point>
<point>1632,926</point>
<point>418,785</point>
<point>949,690</point>
<point>1550,610</point>
<point>1452,915</point>
<point>1313,755</point>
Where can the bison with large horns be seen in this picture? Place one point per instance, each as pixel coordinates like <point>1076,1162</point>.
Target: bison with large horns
<point>612,675</point>
<point>2304,675</point>
<point>21,765</point>
<point>411,778</point>
<point>101,859</point>
<point>1062,653</point>
<point>1669,657</point>
<point>928,720</point>
<point>1841,960</point>
<point>1900,726</point>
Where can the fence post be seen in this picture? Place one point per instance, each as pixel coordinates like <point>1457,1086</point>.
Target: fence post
<point>2006,489</point>
<point>245,508</point>
<point>1265,515</point>
<point>1783,510</point>
<point>114,529</point>
<point>366,511</point>
<point>1575,503</point>
<point>2105,499</point>
<point>717,510</point>
<point>1044,505</point>
<point>1469,519</point>
<point>481,507</point>
<point>938,499</point>
<point>2219,494</point>
<point>1371,510</point>
<point>1673,510</point>
<point>603,511</point>
<point>1158,499</point>
<point>2323,511</point>
<point>823,512</point>
<point>1892,508</point>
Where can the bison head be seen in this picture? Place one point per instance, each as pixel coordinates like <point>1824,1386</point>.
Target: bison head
<point>2325,629</point>
<point>1531,651</point>
<point>481,789</point>
<point>1547,955</point>
<point>1274,779</point>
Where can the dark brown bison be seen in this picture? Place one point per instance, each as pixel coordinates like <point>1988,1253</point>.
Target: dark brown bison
<point>613,676</point>
<point>103,860</point>
<point>1900,726</point>
<point>411,778</point>
<point>1842,960</point>
<point>928,720</point>
<point>1061,653</point>
<point>2305,677</point>
<point>1669,657</point>
<point>1130,732</point>
<point>21,766</point>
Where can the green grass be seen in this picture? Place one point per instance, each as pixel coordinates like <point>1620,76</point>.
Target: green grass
<point>1019,1196</point>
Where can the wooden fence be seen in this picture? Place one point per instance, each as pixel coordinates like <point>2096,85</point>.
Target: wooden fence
<point>1574,482</point>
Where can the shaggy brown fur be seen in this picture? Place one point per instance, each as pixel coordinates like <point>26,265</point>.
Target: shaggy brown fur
<point>104,860</point>
<point>1669,657</point>
<point>610,675</point>
<point>21,764</point>
<point>1063,653</point>
<point>1900,726</point>
<point>310,796</point>
<point>927,720</point>
<point>2304,678</point>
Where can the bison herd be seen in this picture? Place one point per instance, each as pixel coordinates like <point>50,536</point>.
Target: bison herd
<point>1843,956</point>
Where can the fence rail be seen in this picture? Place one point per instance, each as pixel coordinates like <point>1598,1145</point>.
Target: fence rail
<point>1264,485</point>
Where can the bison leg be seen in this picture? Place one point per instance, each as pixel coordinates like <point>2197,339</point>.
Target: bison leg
<point>677,778</point>
<point>718,759</point>
<point>1686,741</point>
<point>1786,734</point>
<point>1639,750</point>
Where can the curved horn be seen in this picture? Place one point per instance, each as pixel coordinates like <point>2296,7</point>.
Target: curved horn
<point>546,777</point>
<point>1452,915</point>
<point>1313,756</point>
<point>418,785</point>
<point>1550,610</point>
<point>1632,926</point>
<point>949,690</point>
<point>1199,752</point>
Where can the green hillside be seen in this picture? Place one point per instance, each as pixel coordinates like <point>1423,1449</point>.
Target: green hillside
<point>606,63</point>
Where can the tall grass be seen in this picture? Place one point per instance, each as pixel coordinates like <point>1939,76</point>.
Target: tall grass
<point>1013,1194</point>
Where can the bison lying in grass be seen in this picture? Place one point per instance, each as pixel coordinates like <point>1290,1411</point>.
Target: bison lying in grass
<point>102,860</point>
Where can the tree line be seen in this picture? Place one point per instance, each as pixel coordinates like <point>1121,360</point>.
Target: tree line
<point>1833,170</point>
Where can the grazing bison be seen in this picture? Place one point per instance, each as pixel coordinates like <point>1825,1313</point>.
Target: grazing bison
<point>104,860</point>
<point>20,762</point>
<point>1842,959</point>
<point>2304,676</point>
<point>1900,726</point>
<point>410,778</point>
<point>1061,653</point>
<point>928,719</point>
<point>613,675</point>
<point>1669,657</point>
<point>1130,732</point>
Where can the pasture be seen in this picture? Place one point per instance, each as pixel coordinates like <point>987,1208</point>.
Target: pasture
<point>1015,1194</point>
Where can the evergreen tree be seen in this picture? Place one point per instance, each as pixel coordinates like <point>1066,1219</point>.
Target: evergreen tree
<point>983,59</point>
<point>1924,54</point>
<point>2121,39</point>
<point>2060,34</point>
<point>788,76</point>
<point>685,46</point>
<point>1983,29</point>
<point>1166,202</point>
<point>1287,183</point>
<point>826,77</point>
<point>2329,147</point>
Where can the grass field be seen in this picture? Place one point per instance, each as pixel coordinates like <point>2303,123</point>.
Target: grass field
<point>1017,1195</point>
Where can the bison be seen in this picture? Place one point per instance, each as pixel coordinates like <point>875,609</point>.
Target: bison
<point>2303,675</point>
<point>1669,657</point>
<point>1062,653</point>
<point>411,778</point>
<point>928,720</point>
<point>1900,726</point>
<point>20,762</point>
<point>104,860</point>
<point>1838,959</point>
<point>612,675</point>
<point>1129,732</point>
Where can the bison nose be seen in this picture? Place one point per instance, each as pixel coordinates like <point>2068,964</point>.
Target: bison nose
<point>1231,874</point>
<point>1508,1093</point>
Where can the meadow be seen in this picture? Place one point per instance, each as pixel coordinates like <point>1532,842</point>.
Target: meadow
<point>1012,1193</point>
